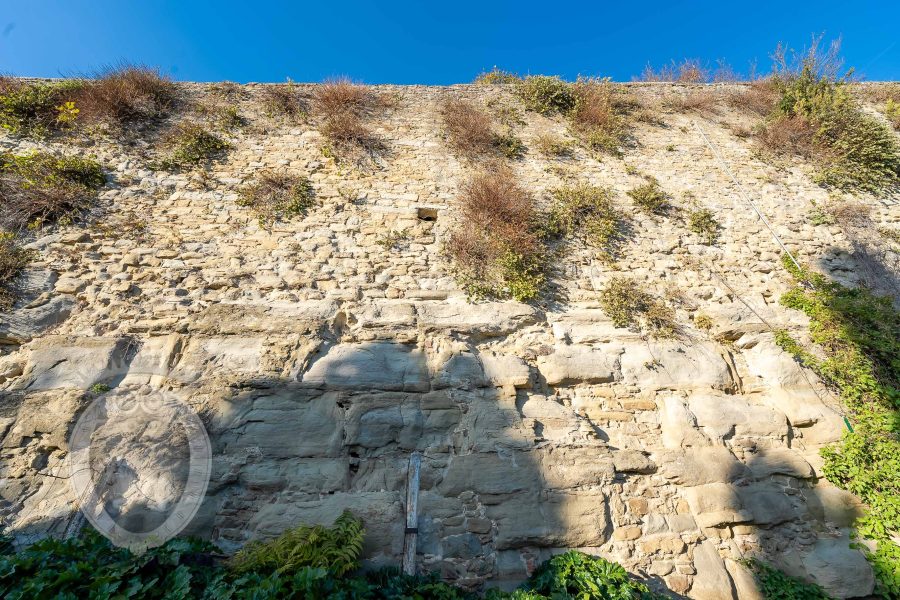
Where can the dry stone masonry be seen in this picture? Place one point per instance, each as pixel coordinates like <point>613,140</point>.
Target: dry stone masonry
<point>320,358</point>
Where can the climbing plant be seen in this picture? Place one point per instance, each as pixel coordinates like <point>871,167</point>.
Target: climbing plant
<point>859,334</point>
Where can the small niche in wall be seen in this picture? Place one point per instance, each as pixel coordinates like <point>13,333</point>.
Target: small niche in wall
<point>427,214</point>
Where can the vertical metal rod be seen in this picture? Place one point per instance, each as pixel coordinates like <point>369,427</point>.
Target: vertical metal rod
<point>412,514</point>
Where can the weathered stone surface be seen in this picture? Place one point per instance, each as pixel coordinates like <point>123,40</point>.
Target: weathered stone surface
<point>503,369</point>
<point>778,461</point>
<point>69,362</point>
<point>717,504</point>
<point>320,356</point>
<point>672,365</point>
<point>572,364</point>
<point>23,324</point>
<point>712,581</point>
<point>843,571</point>
<point>721,416</point>
<point>371,365</point>
<point>702,465</point>
<point>551,519</point>
<point>483,320</point>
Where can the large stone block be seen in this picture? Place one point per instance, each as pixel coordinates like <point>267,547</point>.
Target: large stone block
<point>369,366</point>
<point>73,362</point>
<point>563,519</point>
<point>674,365</point>
<point>579,364</point>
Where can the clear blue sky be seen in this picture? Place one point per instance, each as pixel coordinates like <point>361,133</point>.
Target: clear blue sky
<point>432,41</point>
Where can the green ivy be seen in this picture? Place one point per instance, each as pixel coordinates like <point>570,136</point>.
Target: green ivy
<point>289,567</point>
<point>775,585</point>
<point>859,333</point>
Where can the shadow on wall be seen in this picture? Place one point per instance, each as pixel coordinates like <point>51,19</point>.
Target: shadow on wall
<point>509,475</point>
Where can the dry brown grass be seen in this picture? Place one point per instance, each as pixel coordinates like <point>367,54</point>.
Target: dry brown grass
<point>468,128</point>
<point>699,101</point>
<point>283,99</point>
<point>342,105</point>
<point>853,213</point>
<point>496,246</point>
<point>126,94</point>
<point>758,98</point>
<point>687,71</point>
<point>793,135</point>
<point>599,116</point>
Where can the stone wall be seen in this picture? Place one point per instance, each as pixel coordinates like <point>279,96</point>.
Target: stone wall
<point>320,359</point>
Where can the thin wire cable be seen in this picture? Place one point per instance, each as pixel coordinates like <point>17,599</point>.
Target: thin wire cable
<point>744,195</point>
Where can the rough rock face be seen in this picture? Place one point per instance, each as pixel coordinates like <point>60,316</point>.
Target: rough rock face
<point>319,360</point>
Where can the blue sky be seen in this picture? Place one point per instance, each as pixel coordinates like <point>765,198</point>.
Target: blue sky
<point>427,42</point>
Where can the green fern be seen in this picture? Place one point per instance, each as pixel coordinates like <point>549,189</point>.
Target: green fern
<point>336,548</point>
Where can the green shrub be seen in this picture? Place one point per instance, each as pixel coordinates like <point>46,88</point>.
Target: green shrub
<point>31,109</point>
<point>497,76</point>
<point>627,304</point>
<point>892,112</point>
<point>13,258</point>
<point>336,548</point>
<point>704,224</point>
<point>816,115</point>
<point>775,585</point>
<point>578,575</point>
<point>587,212</point>
<point>859,334</point>
<point>545,94</point>
<point>120,95</point>
<point>651,198</point>
<point>40,188</point>
<point>192,145</point>
<point>509,144</point>
<point>277,196</point>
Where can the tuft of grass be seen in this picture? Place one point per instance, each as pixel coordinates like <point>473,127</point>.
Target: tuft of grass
<point>651,198</point>
<point>778,585</point>
<point>689,70</point>
<point>546,94</point>
<point>703,322</point>
<point>277,196</point>
<point>498,246</point>
<point>600,114</point>
<point>13,259</point>
<point>468,129</point>
<point>703,223</point>
<point>126,94</point>
<point>596,108</point>
<point>470,134</point>
<point>497,76</point>
<point>587,213</point>
<point>284,99</point>
<point>342,106</point>
<point>509,144</point>
<point>192,144</point>
<point>817,117</point>
<point>41,188</point>
<point>550,145</point>
<point>119,96</point>
<point>627,304</point>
